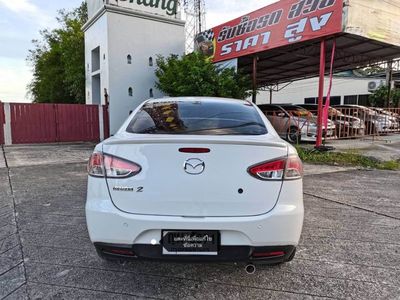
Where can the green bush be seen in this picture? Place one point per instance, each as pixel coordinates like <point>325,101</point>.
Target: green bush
<point>195,75</point>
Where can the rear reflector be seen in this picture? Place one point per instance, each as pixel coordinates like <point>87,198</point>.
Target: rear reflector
<point>123,252</point>
<point>268,254</point>
<point>194,150</point>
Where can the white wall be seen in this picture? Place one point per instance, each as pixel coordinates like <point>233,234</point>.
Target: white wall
<point>121,32</point>
<point>95,36</point>
<point>94,6</point>
<point>141,38</point>
<point>308,88</point>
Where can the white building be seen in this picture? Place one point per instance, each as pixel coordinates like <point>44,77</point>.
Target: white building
<point>345,90</point>
<point>122,40</point>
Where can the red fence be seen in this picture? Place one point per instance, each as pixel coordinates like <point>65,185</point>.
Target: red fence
<point>77,122</point>
<point>50,123</point>
<point>2,122</point>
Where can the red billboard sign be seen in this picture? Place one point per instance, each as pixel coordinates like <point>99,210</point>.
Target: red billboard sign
<point>279,24</point>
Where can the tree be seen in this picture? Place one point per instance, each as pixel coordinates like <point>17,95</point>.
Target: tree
<point>195,75</point>
<point>380,96</point>
<point>58,61</point>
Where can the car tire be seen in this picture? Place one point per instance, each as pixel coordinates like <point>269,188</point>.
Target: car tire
<point>293,135</point>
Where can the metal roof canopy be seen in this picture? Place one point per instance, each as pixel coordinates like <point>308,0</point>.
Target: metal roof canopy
<point>292,40</point>
<point>302,60</point>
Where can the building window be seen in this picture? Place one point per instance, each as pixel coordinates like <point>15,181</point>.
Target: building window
<point>129,59</point>
<point>130,92</point>
<point>350,99</point>
<point>310,101</point>
<point>363,100</point>
<point>150,61</point>
<point>96,59</point>
<point>151,93</point>
<point>335,100</point>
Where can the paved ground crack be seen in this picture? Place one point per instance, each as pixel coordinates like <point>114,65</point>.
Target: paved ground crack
<point>14,207</point>
<point>352,206</point>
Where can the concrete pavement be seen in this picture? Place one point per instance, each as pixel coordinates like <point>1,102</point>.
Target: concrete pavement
<point>349,247</point>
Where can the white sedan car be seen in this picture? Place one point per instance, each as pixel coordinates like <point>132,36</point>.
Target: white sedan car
<point>196,179</point>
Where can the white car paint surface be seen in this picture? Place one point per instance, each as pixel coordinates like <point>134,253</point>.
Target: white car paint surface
<point>187,165</point>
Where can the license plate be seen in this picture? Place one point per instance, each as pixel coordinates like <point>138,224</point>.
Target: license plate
<point>190,242</point>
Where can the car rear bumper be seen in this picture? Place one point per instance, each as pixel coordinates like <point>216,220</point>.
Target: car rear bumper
<point>247,254</point>
<point>281,226</point>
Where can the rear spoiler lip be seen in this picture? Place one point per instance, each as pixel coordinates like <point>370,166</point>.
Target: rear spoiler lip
<point>195,141</point>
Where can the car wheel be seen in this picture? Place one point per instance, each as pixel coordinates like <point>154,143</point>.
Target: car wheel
<point>294,135</point>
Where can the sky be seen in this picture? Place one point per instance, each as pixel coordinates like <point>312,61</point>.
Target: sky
<point>21,21</point>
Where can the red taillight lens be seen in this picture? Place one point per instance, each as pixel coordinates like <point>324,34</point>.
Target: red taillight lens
<point>288,168</point>
<point>118,167</point>
<point>96,165</point>
<point>105,165</point>
<point>294,168</point>
<point>272,170</point>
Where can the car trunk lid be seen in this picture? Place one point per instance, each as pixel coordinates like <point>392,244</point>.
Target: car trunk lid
<point>214,184</point>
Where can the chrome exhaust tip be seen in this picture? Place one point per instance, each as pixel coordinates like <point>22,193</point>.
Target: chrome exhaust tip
<point>250,269</point>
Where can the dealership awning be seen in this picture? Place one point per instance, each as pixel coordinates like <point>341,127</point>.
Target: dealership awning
<point>285,37</point>
<point>299,61</point>
<point>293,39</point>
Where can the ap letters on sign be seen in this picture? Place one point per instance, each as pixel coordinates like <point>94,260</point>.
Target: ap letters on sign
<point>294,31</point>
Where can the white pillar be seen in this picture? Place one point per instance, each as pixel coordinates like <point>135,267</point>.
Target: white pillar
<point>101,123</point>
<point>7,125</point>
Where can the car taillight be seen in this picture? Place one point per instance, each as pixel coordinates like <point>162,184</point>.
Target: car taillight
<point>96,165</point>
<point>285,168</point>
<point>294,168</point>
<point>105,165</point>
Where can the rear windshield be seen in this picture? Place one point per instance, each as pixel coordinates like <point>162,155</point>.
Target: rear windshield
<point>198,118</point>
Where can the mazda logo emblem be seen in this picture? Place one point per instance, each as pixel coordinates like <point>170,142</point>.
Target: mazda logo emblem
<point>194,166</point>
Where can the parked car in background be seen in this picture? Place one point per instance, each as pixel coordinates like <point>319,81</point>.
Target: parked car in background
<point>374,122</point>
<point>295,123</point>
<point>393,117</point>
<point>196,179</point>
<point>346,125</point>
